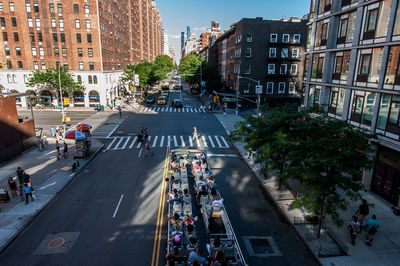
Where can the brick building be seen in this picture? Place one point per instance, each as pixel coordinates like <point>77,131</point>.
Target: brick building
<point>269,51</point>
<point>352,69</point>
<point>95,39</point>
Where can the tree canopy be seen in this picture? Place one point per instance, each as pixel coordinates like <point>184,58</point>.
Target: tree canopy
<point>50,79</point>
<point>325,155</point>
<point>189,67</point>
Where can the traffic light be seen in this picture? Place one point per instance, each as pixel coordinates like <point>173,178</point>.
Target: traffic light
<point>235,88</point>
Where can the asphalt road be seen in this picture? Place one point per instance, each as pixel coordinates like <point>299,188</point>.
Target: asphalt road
<point>113,203</point>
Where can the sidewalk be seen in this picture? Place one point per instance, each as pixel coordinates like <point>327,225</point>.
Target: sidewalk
<point>334,242</point>
<point>48,175</point>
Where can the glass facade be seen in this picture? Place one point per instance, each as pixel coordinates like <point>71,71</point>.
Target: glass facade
<point>313,95</point>
<point>336,101</point>
<point>376,20</point>
<point>362,107</point>
<point>388,116</point>
<point>346,28</point>
<point>392,75</point>
<point>341,66</point>
<point>369,65</point>
<point>317,66</point>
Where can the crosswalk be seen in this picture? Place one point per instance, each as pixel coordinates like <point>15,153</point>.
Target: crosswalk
<point>160,109</point>
<point>204,141</point>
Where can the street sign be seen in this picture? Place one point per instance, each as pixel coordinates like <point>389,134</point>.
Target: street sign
<point>203,83</point>
<point>259,89</point>
<point>228,99</point>
<point>136,79</point>
<point>66,119</point>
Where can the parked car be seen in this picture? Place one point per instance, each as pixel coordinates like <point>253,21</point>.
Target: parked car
<point>150,99</point>
<point>164,94</point>
<point>162,100</point>
<point>177,103</point>
<point>177,87</point>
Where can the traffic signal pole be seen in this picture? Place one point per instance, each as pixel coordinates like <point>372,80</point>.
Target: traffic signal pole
<point>61,97</point>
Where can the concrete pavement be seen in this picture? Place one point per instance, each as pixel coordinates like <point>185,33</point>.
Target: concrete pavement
<point>334,244</point>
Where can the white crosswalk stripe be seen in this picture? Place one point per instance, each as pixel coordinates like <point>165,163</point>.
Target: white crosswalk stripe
<point>144,109</point>
<point>173,141</point>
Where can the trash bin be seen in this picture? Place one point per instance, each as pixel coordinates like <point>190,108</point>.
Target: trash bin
<point>101,107</point>
<point>97,107</point>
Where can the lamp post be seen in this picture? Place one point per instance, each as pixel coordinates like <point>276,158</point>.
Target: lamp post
<point>61,97</point>
<point>258,92</point>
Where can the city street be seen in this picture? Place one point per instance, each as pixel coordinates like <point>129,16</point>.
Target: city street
<point>109,211</point>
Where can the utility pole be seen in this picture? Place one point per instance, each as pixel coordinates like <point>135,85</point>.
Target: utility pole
<point>258,99</point>
<point>237,94</point>
<point>61,97</point>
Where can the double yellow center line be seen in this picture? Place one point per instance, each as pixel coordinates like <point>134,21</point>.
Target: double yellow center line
<point>160,216</point>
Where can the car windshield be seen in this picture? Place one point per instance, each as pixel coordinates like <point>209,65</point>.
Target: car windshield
<point>161,99</point>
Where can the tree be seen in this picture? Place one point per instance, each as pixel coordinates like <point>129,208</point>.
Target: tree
<point>50,79</point>
<point>190,68</point>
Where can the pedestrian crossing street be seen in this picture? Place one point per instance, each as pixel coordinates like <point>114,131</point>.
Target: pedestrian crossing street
<point>159,109</point>
<point>204,141</point>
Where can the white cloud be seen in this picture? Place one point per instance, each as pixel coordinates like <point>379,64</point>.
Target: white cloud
<point>178,36</point>
<point>200,28</point>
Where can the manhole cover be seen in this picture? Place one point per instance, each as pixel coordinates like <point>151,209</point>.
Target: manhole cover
<point>261,246</point>
<point>56,243</point>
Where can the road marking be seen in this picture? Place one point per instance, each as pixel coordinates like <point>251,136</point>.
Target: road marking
<point>116,210</point>
<point>219,143</point>
<point>175,142</point>
<point>133,142</point>
<point>162,109</point>
<point>112,131</point>
<point>112,142</point>
<point>211,141</point>
<point>126,143</point>
<point>141,110</point>
<point>170,109</point>
<point>187,110</point>
<point>169,141</point>
<point>204,141</point>
<point>226,144</point>
<point>149,139</point>
<point>198,142</point>
<point>222,155</point>
<point>162,141</point>
<point>157,109</point>
<point>179,110</point>
<point>191,110</point>
<point>174,109</point>
<point>139,143</point>
<point>182,141</point>
<point>140,152</point>
<point>195,110</point>
<point>190,141</point>
<point>155,141</point>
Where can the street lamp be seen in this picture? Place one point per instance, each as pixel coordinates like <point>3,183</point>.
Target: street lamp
<point>258,91</point>
<point>61,97</point>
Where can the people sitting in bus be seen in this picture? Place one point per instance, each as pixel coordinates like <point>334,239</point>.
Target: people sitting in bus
<point>187,220</point>
<point>174,165</point>
<point>176,241</point>
<point>173,257</point>
<point>189,230</point>
<point>203,165</point>
<point>219,257</point>
<point>196,168</point>
<point>176,221</point>
<point>186,196</point>
<point>213,194</point>
<point>203,156</point>
<point>210,180</point>
<point>218,201</point>
<point>199,183</point>
<point>192,243</point>
<point>174,198</point>
<point>215,245</point>
<point>202,192</point>
<point>195,161</point>
<point>183,162</point>
<point>197,256</point>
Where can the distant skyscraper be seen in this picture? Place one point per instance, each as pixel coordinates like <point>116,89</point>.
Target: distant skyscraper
<point>182,40</point>
<point>187,31</point>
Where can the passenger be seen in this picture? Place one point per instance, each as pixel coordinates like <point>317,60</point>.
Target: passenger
<point>195,160</point>
<point>197,256</point>
<point>174,165</point>
<point>210,180</point>
<point>176,241</point>
<point>219,257</point>
<point>187,220</point>
<point>201,193</point>
<point>173,257</point>
<point>176,222</point>
<point>175,198</point>
<point>189,229</point>
<point>200,183</point>
<point>196,168</point>
<point>218,201</point>
<point>203,165</point>
<point>203,156</point>
<point>192,243</point>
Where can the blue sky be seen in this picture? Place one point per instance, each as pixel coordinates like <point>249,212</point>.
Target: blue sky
<point>177,14</point>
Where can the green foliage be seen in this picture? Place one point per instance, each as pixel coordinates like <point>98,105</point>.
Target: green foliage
<point>50,79</point>
<point>190,68</point>
<point>326,156</point>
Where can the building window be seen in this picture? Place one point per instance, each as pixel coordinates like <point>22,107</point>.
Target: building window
<point>324,6</point>
<point>247,52</point>
<point>249,38</point>
<point>90,79</point>
<point>389,115</point>
<point>61,22</point>
<point>64,51</point>
<point>18,51</point>
<point>88,26</point>
<point>272,52</point>
<point>9,78</point>
<point>41,51</point>
<point>62,37</point>
<point>80,53</point>
<point>283,69</point>
<point>396,28</point>
<point>285,53</point>
<point>78,38</point>
<point>43,65</point>
<point>293,69</point>
<point>14,22</point>
<point>90,52</point>
<point>313,95</point>
<point>247,70</point>
<point>5,36</point>
<point>321,34</point>
<point>336,101</point>
<point>342,63</point>
<point>20,65</point>
<point>34,51</point>
<point>285,38</point>
<point>55,38</point>
<point>39,37</point>
<point>11,5</point>
<point>76,8</point>
<point>2,21</point>
<point>32,36</point>
<point>270,87</point>
<point>35,65</point>
<point>95,79</point>
<point>53,23</point>
<point>296,38</point>
<point>346,28</point>
<point>16,36</point>
<point>30,23</point>
<point>292,88</point>
<point>273,37</point>
<point>376,20</point>
<point>89,38</point>
<point>51,7</point>
<point>392,76</point>
<point>1,7</point>
<point>362,107</point>
<point>295,53</point>
<point>87,10</point>
<point>369,65</point>
<point>77,24</point>
<point>59,9</point>
<point>79,78</point>
<point>56,51</point>
<point>317,66</point>
<point>281,87</point>
<point>370,21</point>
<point>7,50</point>
<point>271,69</point>
<point>91,66</point>
<point>80,65</point>
<point>37,20</point>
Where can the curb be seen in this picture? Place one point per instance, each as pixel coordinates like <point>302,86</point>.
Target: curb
<point>30,219</point>
<point>278,208</point>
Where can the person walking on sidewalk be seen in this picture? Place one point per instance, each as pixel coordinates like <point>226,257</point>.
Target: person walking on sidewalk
<point>27,179</point>
<point>65,150</point>
<point>372,227</point>
<point>362,211</point>
<point>12,185</point>
<point>20,175</point>
<point>119,110</point>
<point>354,228</point>
<point>58,149</point>
<point>28,193</point>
